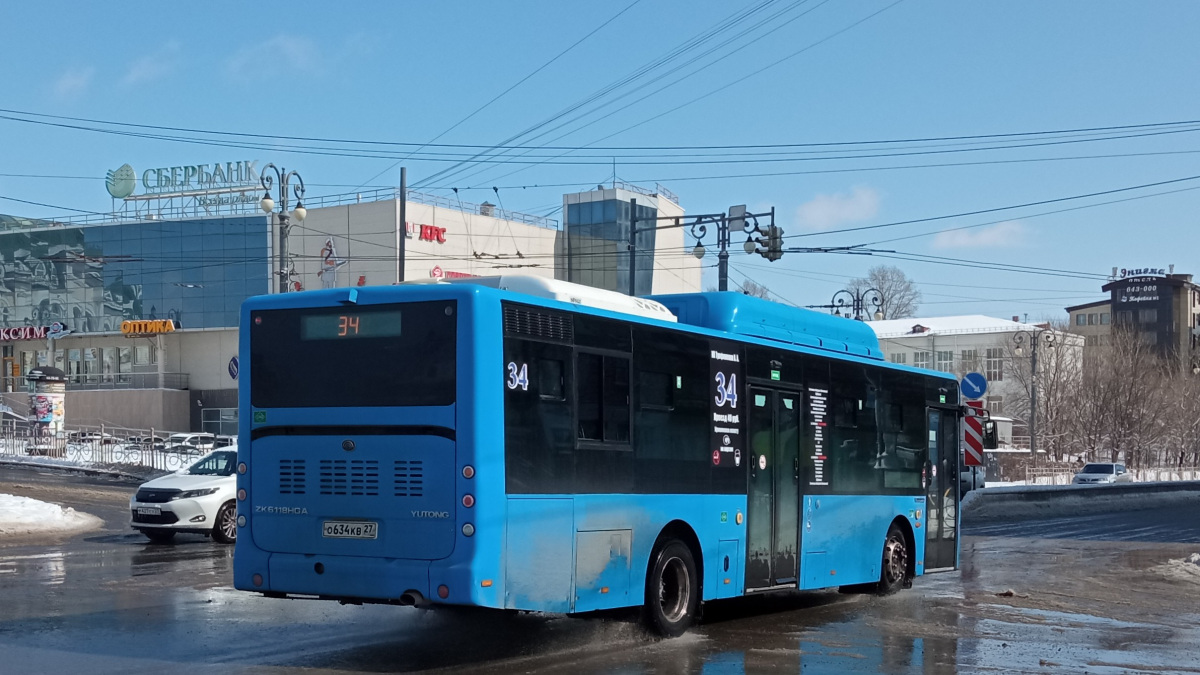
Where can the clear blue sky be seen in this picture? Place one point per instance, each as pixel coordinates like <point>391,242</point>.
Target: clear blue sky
<point>405,72</point>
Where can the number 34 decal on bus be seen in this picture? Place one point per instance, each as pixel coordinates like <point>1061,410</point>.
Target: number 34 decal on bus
<point>726,390</point>
<point>518,376</point>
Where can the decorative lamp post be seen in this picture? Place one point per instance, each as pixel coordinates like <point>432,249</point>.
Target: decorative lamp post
<point>283,178</point>
<point>1033,338</point>
<point>853,304</point>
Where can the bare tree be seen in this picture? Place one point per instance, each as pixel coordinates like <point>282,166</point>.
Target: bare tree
<point>1059,371</point>
<point>1121,409</point>
<point>899,294</point>
<point>756,290</point>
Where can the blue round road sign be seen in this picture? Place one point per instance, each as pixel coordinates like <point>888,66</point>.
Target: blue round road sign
<point>973,386</point>
<point>233,367</point>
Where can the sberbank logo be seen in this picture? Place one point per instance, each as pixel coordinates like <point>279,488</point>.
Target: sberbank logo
<point>121,182</point>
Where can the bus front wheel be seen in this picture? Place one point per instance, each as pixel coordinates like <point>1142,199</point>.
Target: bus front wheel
<point>672,589</point>
<point>894,572</point>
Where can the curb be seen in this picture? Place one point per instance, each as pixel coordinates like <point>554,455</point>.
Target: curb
<point>90,470</point>
<point>1038,501</point>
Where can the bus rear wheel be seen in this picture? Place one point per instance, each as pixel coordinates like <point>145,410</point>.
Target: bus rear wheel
<point>672,589</point>
<point>894,569</point>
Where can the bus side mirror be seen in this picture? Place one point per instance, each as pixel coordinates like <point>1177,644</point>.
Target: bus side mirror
<point>990,442</point>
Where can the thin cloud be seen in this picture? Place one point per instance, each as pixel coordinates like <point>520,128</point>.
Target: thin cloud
<point>1008,233</point>
<point>827,211</point>
<point>74,82</point>
<point>152,66</point>
<point>281,55</point>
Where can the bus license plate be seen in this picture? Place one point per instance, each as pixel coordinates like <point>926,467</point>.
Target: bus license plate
<point>350,529</point>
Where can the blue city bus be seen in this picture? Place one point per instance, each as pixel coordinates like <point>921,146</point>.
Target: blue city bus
<point>529,444</point>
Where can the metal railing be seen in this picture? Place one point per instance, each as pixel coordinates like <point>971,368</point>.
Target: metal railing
<point>384,194</point>
<point>101,447</point>
<point>1062,475</point>
<point>659,190</point>
<point>192,209</point>
<point>95,381</point>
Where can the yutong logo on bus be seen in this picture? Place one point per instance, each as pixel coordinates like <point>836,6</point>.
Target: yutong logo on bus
<point>430,514</point>
<point>282,510</point>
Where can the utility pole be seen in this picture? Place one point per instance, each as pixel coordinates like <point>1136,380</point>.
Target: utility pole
<point>402,232</point>
<point>1034,338</point>
<point>632,247</point>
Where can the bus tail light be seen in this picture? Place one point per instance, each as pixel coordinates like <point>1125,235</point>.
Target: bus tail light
<point>468,471</point>
<point>468,501</point>
<point>242,468</point>
<point>468,530</point>
<point>257,580</point>
<point>443,591</point>
<point>242,495</point>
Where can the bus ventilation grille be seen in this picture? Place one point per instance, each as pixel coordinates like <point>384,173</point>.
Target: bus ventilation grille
<point>291,477</point>
<point>409,478</point>
<point>350,477</point>
<point>521,321</point>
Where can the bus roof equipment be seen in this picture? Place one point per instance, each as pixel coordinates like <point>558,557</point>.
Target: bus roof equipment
<point>746,315</point>
<point>576,294</point>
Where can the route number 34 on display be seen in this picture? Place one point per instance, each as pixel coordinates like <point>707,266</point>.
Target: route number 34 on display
<point>726,390</point>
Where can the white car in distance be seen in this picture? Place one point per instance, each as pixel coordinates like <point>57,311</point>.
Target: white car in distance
<point>199,499</point>
<point>1102,473</point>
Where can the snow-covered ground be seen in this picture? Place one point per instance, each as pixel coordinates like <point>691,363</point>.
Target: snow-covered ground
<point>1187,569</point>
<point>23,516</point>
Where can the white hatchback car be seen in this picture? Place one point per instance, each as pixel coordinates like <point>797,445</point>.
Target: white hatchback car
<point>199,499</point>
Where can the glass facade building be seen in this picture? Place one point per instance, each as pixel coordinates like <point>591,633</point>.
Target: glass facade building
<point>598,244</point>
<point>196,272</point>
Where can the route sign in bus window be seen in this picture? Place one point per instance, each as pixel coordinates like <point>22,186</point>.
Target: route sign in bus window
<point>350,325</point>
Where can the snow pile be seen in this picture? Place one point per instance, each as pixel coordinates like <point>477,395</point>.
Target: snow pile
<point>22,515</point>
<point>1187,569</point>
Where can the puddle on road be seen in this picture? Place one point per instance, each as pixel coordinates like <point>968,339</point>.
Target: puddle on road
<point>43,568</point>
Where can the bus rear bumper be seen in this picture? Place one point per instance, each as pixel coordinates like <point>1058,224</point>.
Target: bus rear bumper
<point>349,577</point>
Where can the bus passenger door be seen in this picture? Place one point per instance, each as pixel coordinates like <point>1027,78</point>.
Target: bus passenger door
<point>941,491</point>
<point>773,502</point>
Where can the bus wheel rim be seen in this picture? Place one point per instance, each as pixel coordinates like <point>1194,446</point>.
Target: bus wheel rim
<point>675,590</point>
<point>895,558</point>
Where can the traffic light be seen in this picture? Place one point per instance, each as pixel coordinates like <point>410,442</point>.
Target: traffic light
<point>768,243</point>
<point>774,243</point>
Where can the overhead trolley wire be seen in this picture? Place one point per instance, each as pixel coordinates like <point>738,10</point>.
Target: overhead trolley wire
<point>676,52</point>
<point>506,91</point>
<point>997,209</point>
<point>610,149</point>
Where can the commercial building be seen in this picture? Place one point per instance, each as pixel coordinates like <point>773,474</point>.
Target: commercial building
<point>597,226</point>
<point>1161,307</point>
<point>1091,320</point>
<point>141,309</point>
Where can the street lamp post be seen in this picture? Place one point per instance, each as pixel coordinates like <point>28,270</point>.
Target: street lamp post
<point>1033,339</point>
<point>283,178</point>
<point>855,303</point>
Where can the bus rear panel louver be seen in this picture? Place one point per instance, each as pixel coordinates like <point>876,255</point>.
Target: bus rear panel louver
<point>537,323</point>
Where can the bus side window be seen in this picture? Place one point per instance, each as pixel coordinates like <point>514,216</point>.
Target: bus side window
<point>603,397</point>
<point>538,438</point>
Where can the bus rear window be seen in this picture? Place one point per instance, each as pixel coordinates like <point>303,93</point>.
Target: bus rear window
<point>386,355</point>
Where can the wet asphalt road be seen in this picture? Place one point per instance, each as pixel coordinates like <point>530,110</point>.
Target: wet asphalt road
<point>1085,594</point>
